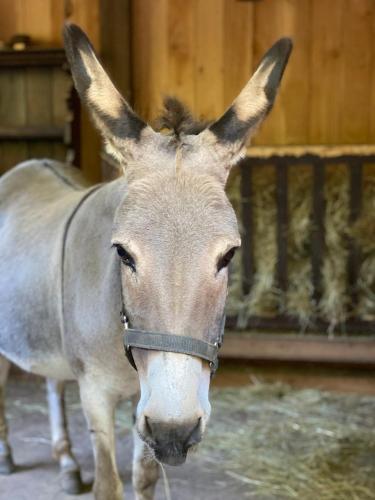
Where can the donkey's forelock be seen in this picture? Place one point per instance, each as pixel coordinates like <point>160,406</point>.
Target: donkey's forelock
<point>177,119</point>
<point>213,148</point>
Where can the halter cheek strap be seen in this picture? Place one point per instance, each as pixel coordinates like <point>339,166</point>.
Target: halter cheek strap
<point>168,342</point>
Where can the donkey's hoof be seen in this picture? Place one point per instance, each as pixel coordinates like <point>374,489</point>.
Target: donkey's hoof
<point>6,465</point>
<point>71,482</point>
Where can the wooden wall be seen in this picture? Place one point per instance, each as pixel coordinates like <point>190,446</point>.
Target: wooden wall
<point>204,51</point>
<point>32,97</point>
<point>43,20</point>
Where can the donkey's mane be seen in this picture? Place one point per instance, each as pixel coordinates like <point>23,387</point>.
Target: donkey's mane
<point>177,118</point>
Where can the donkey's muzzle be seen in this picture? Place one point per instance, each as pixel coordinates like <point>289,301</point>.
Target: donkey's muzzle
<point>172,442</point>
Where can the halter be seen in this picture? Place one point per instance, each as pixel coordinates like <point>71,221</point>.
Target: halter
<point>169,342</point>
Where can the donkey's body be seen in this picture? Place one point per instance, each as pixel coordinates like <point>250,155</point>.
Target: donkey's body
<point>60,294</point>
<point>175,232</point>
<point>56,262</point>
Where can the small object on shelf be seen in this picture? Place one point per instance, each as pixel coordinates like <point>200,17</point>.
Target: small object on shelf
<point>20,42</point>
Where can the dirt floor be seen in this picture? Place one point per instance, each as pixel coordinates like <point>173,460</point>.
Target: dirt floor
<point>36,477</point>
<point>264,442</point>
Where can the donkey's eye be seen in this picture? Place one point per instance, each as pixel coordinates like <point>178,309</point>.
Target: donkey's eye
<point>125,256</point>
<point>225,259</point>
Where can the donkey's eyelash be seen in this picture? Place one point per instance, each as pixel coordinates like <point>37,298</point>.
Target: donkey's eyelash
<point>225,259</point>
<point>125,256</point>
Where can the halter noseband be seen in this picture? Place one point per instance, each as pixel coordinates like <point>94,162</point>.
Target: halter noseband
<point>171,343</point>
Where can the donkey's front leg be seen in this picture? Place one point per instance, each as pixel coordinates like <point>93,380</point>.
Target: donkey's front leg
<point>69,470</point>
<point>145,470</point>
<point>6,462</point>
<point>99,407</point>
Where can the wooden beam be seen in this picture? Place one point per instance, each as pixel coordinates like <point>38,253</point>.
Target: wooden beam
<point>282,226</point>
<point>32,57</point>
<point>318,229</point>
<point>354,258</point>
<point>247,226</point>
<point>305,348</point>
<point>32,133</point>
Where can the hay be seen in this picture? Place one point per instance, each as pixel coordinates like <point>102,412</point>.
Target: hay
<point>265,299</point>
<point>299,293</point>
<point>281,443</point>
<point>335,299</point>
<point>288,444</point>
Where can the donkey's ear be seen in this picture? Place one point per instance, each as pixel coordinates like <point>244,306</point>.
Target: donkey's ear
<point>255,101</point>
<point>111,113</point>
<point>222,144</point>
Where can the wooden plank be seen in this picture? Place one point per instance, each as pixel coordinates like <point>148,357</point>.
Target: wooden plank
<point>284,323</point>
<point>247,247</point>
<point>13,114</point>
<point>116,42</point>
<point>360,351</point>
<point>39,107</point>
<point>8,19</point>
<point>238,48</point>
<point>40,149</point>
<point>41,19</point>
<point>35,56</point>
<point>86,13</point>
<point>209,65</point>
<point>58,11</point>
<point>61,87</point>
<point>326,104</point>
<point>140,52</point>
<point>180,50</point>
<point>317,236</point>
<point>158,40</point>
<point>38,96</point>
<point>282,225</point>
<point>61,84</point>
<point>31,132</point>
<point>288,121</point>
<point>326,377</point>
<point>358,52</point>
<point>34,17</point>
<point>149,50</point>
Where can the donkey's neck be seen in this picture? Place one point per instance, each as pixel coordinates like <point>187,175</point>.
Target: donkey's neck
<point>91,266</point>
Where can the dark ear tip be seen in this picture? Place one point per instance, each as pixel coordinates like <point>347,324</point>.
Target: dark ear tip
<point>284,46</point>
<point>69,28</point>
<point>73,34</point>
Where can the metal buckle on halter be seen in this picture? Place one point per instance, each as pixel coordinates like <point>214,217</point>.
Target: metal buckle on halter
<point>124,320</point>
<point>128,350</point>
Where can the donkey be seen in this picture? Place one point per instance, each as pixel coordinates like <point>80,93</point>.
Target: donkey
<point>156,241</point>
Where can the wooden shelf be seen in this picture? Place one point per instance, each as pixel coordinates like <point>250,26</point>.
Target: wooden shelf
<point>35,56</point>
<point>32,133</point>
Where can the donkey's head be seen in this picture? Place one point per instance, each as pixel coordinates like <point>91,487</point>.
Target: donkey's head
<point>176,233</point>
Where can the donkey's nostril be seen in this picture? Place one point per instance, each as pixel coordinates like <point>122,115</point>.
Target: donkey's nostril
<point>171,440</point>
<point>171,437</point>
<point>195,436</point>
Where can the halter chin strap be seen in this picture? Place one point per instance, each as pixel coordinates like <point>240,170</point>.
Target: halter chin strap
<point>168,342</point>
